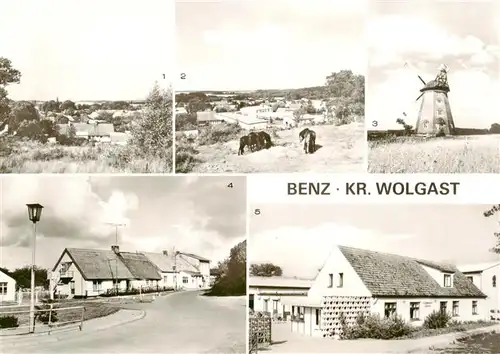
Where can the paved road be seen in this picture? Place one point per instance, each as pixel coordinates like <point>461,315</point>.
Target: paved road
<point>178,323</point>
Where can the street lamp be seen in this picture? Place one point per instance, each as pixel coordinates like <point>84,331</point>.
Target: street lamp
<point>175,269</point>
<point>34,214</point>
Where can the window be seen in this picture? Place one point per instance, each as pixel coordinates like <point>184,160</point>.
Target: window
<point>471,279</point>
<point>330,280</point>
<point>414,311</point>
<point>266,305</point>
<point>340,280</point>
<point>185,280</point>
<point>389,309</point>
<point>318,317</point>
<point>447,281</point>
<point>494,281</point>
<point>165,279</point>
<point>442,306</point>
<point>96,285</point>
<point>251,299</point>
<point>275,306</point>
<point>3,288</point>
<point>454,310</point>
<point>474,307</point>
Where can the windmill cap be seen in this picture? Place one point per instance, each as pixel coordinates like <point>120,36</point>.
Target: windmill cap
<point>443,67</point>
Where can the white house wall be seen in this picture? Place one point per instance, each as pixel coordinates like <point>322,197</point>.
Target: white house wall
<point>335,264</point>
<point>484,281</point>
<point>10,295</point>
<point>273,296</point>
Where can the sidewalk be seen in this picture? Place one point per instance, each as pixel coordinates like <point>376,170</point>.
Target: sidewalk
<point>302,344</point>
<point>97,324</point>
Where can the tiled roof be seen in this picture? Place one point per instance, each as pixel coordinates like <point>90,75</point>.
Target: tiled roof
<point>279,282</point>
<point>393,275</point>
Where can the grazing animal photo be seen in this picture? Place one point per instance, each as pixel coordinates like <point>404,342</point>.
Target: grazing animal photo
<point>432,98</point>
<point>308,137</point>
<point>242,113</point>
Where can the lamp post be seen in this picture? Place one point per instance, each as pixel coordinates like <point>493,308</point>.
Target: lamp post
<point>175,270</point>
<point>34,213</point>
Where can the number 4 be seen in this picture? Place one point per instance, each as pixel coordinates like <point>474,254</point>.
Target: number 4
<point>230,185</point>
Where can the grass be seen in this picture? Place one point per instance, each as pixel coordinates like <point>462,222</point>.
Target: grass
<point>18,156</point>
<point>457,154</point>
<point>92,310</point>
<point>477,344</point>
<point>421,332</point>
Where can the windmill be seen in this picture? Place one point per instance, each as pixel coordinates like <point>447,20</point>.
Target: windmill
<point>434,116</point>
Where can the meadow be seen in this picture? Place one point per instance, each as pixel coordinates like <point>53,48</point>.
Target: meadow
<point>25,156</point>
<point>455,154</point>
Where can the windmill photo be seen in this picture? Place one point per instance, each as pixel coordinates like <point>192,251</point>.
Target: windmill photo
<point>434,116</point>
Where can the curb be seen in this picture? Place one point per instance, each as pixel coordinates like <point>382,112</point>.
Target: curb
<point>63,334</point>
<point>444,342</point>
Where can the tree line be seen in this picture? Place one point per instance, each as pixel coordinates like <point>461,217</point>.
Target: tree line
<point>22,276</point>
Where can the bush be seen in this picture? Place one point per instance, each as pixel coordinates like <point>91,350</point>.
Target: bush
<point>9,322</point>
<point>219,133</point>
<point>437,319</point>
<point>43,313</point>
<point>134,291</point>
<point>373,326</point>
<point>185,157</point>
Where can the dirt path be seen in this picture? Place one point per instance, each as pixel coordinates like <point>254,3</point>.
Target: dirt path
<point>342,149</point>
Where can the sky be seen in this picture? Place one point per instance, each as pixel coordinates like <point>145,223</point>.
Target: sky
<point>88,50</point>
<point>199,215</point>
<point>299,238</point>
<point>265,44</point>
<point>424,34</point>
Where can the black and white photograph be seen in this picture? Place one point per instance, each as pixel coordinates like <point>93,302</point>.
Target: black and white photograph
<point>123,264</point>
<point>374,278</point>
<point>433,86</point>
<point>270,86</point>
<point>86,87</point>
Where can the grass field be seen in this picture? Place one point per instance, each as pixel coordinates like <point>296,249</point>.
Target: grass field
<point>33,157</point>
<point>457,154</point>
<point>341,149</point>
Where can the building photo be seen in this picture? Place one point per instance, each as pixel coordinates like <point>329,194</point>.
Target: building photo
<point>352,271</point>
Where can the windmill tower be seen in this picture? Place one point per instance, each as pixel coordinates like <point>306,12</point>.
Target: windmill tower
<point>434,115</point>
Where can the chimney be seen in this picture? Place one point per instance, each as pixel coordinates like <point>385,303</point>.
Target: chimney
<point>115,248</point>
<point>165,253</point>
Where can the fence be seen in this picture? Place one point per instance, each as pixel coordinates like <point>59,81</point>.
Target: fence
<point>48,317</point>
<point>259,331</point>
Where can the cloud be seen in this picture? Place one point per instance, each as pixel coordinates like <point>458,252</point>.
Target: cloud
<point>393,87</point>
<point>308,248</point>
<point>72,209</point>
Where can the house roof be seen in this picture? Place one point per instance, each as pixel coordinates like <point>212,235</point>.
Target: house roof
<point>106,265</point>
<point>280,282</point>
<point>206,116</point>
<point>201,259</point>
<point>166,263</point>
<point>7,275</point>
<point>140,266</point>
<point>478,267</point>
<point>103,129</point>
<point>387,274</point>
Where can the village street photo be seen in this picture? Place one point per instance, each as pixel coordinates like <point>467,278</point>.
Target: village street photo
<point>85,87</point>
<point>122,264</point>
<point>270,86</point>
<point>374,278</point>
<point>433,86</point>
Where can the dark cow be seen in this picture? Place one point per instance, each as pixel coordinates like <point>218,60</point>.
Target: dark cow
<point>308,136</point>
<point>251,140</point>
<point>243,143</point>
<point>265,140</point>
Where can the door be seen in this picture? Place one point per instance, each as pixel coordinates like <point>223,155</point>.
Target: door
<point>72,287</point>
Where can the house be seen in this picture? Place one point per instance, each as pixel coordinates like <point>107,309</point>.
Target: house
<point>86,272</point>
<point>7,287</point>
<point>96,132</point>
<point>261,111</point>
<point>486,277</point>
<point>265,294</point>
<point>245,122</point>
<point>354,281</point>
<point>179,272</point>
<point>208,118</point>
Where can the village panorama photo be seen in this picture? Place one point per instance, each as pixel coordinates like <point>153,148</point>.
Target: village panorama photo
<point>85,87</point>
<point>374,278</point>
<point>122,264</point>
<point>270,86</point>
<point>433,86</point>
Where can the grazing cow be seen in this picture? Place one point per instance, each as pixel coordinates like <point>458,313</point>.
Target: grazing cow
<point>308,136</point>
<point>265,140</point>
<point>254,141</point>
<point>243,142</point>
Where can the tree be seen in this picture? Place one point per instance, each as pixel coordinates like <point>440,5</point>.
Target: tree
<point>265,270</point>
<point>347,93</point>
<point>22,111</point>
<point>68,105</point>
<point>232,278</point>
<point>23,277</point>
<point>153,135</point>
<point>51,106</point>
<point>298,114</point>
<point>8,74</point>
<point>489,213</point>
<point>495,128</point>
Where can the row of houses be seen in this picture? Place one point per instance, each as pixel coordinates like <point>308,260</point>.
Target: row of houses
<point>87,272</point>
<point>95,131</point>
<point>355,280</point>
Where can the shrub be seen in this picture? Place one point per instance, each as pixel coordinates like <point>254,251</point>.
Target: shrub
<point>373,326</point>
<point>185,157</point>
<point>219,133</point>
<point>8,321</point>
<point>134,291</point>
<point>43,313</point>
<point>437,319</point>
